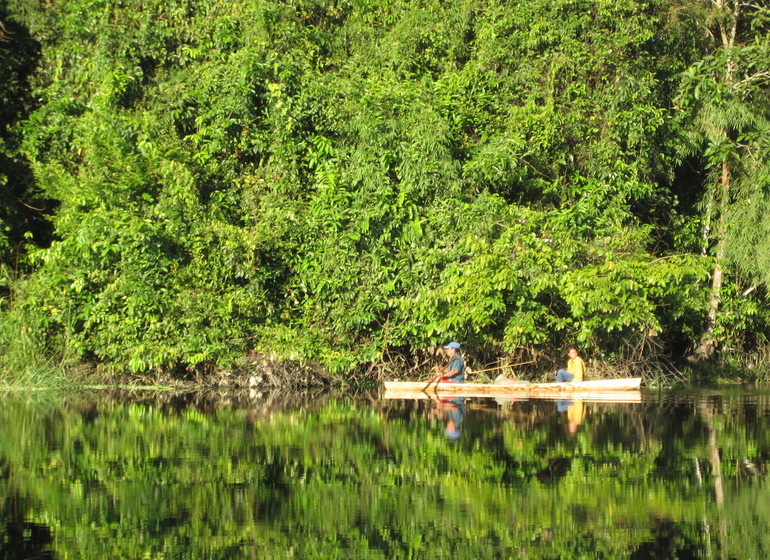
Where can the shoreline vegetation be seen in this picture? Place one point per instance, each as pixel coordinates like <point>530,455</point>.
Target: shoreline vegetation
<point>270,374</point>
<point>321,192</point>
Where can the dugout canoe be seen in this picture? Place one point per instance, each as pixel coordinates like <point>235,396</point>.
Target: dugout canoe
<point>625,390</point>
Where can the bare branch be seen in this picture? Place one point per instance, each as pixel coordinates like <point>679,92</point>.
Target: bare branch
<point>749,151</point>
<point>753,6</point>
<point>754,77</point>
<point>736,15</point>
<point>747,291</point>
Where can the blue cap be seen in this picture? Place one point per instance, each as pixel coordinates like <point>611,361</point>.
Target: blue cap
<point>455,345</point>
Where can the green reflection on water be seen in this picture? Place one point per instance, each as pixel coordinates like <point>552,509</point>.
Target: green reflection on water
<point>192,477</point>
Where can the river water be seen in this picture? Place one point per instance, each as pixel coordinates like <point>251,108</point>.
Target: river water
<point>303,476</point>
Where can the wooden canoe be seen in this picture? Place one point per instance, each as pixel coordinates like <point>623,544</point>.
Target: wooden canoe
<point>619,390</point>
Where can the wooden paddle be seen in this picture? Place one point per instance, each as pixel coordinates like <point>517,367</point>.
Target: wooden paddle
<point>425,389</point>
<point>499,367</point>
<point>469,371</point>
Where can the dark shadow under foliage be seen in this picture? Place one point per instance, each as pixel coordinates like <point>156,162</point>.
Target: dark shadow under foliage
<point>24,210</point>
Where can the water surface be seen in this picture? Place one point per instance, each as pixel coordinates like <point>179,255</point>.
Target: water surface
<point>354,476</point>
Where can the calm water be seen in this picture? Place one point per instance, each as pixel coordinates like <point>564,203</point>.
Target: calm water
<point>353,476</point>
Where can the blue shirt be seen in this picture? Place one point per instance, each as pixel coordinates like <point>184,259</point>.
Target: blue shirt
<point>458,364</point>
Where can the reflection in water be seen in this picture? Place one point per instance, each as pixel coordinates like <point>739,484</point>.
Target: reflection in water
<point>453,409</point>
<point>575,410</point>
<point>344,476</point>
<point>22,539</point>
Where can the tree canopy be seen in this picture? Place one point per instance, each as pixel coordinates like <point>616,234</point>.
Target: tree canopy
<point>344,181</point>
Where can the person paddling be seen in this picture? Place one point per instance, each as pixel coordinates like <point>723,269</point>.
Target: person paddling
<point>576,367</point>
<point>454,371</point>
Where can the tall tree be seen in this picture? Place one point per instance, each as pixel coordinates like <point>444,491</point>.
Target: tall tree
<point>727,94</point>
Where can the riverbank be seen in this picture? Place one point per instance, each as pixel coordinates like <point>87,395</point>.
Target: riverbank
<point>265,372</point>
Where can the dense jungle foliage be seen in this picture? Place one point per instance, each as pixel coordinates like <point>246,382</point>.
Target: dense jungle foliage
<point>348,183</point>
<point>93,478</point>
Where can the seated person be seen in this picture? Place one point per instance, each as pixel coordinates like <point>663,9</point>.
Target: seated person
<point>576,367</point>
<point>454,371</point>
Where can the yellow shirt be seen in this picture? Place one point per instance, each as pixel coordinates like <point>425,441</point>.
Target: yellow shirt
<point>576,412</point>
<point>577,367</point>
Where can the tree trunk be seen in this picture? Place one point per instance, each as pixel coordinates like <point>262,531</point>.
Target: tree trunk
<point>708,342</point>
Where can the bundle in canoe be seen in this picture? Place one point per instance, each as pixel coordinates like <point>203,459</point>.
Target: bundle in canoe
<point>601,389</point>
